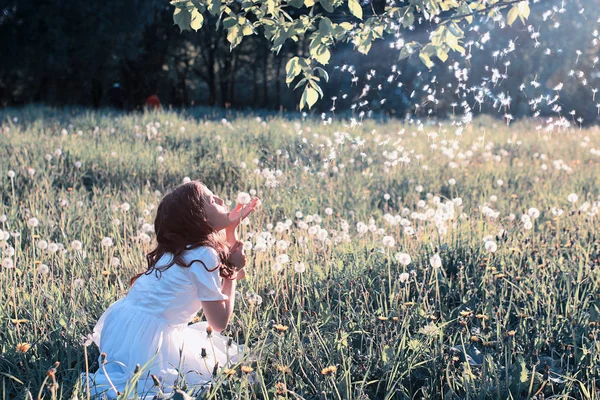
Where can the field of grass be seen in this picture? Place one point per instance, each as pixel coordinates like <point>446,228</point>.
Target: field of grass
<point>389,260</point>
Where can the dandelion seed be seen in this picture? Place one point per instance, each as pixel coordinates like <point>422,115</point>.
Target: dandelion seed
<point>491,246</point>
<point>533,212</point>
<point>299,267</point>
<point>43,269</point>
<point>107,242</point>
<point>388,241</point>
<point>435,261</point>
<point>403,258</point>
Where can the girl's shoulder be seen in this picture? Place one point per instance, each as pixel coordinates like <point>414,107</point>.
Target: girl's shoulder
<point>206,254</point>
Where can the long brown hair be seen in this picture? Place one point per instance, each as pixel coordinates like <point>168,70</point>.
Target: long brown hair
<point>181,225</point>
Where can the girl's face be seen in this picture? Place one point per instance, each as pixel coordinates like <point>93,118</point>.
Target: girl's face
<point>215,210</point>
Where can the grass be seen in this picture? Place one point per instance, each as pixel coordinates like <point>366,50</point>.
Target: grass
<point>517,322</point>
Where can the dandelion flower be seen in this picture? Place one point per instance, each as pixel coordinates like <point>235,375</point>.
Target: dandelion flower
<point>491,246</point>
<point>7,263</point>
<point>388,241</point>
<point>23,348</point>
<point>11,174</point>
<point>299,267</point>
<point>435,261</point>
<point>404,277</point>
<point>572,198</point>
<point>107,242</point>
<point>243,198</point>
<point>43,269</point>
<point>403,258</point>
<point>33,222</point>
<point>533,213</point>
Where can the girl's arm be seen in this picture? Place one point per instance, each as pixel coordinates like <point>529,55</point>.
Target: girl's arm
<point>218,313</point>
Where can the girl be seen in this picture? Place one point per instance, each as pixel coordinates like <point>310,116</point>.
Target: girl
<point>148,328</point>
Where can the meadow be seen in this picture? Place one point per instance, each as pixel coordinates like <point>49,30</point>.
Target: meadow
<point>391,259</point>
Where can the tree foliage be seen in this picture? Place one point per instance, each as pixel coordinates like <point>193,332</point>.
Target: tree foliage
<point>324,23</point>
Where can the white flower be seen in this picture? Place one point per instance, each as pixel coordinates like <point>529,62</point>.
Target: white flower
<point>107,242</point>
<point>527,225</point>
<point>283,258</point>
<point>362,228</point>
<point>388,241</point>
<point>533,212</point>
<point>243,198</point>
<point>7,263</point>
<point>115,261</point>
<point>76,245</point>
<point>254,299</point>
<point>31,171</point>
<point>160,159</point>
<point>451,181</point>
<point>299,267</point>
<point>572,198</point>
<point>33,222</point>
<point>247,246</point>
<point>491,246</point>
<point>78,283</point>
<point>404,277</point>
<point>435,261</point>
<point>3,218</point>
<point>52,247</point>
<point>298,214</point>
<point>42,245</point>
<point>77,164</point>
<point>282,245</point>
<point>328,211</point>
<point>277,267</point>
<point>43,269</point>
<point>403,258</point>
<point>11,174</point>
<point>125,207</point>
<point>322,234</point>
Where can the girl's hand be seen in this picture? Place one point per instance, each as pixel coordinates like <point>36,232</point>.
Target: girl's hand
<point>237,258</point>
<point>242,211</point>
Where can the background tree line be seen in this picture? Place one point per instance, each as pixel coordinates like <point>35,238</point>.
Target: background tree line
<point>64,52</point>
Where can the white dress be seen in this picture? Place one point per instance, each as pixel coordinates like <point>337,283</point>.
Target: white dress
<point>149,327</point>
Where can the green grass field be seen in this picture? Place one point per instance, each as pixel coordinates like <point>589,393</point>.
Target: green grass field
<point>389,260</point>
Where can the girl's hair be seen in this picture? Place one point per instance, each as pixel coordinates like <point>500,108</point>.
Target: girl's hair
<point>181,225</point>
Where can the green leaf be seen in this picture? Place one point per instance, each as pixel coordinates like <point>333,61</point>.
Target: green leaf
<point>327,5</point>
<point>355,9</point>
<point>182,18</point>
<point>214,6</point>
<point>441,54</point>
<point>407,50</point>
<point>309,97</point>
<point>523,10</point>
<point>197,20</point>
<point>323,73</point>
<point>425,58</point>
<point>296,3</point>
<point>325,27</point>
<point>292,69</point>
<point>512,15</point>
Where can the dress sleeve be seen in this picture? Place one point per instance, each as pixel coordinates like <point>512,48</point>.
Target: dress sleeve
<point>204,272</point>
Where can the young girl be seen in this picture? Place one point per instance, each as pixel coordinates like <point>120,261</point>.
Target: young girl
<point>191,268</point>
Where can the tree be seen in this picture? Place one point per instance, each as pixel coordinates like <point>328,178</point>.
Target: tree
<point>323,23</point>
